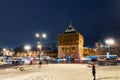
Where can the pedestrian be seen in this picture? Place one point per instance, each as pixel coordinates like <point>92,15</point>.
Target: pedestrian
<point>40,61</point>
<point>31,61</point>
<point>48,59</point>
<point>93,71</point>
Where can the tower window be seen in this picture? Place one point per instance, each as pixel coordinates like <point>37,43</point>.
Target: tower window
<point>69,28</point>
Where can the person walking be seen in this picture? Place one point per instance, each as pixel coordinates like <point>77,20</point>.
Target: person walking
<point>31,60</point>
<point>48,59</point>
<point>94,71</point>
<point>40,61</point>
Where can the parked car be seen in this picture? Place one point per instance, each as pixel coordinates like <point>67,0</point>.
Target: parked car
<point>118,60</point>
<point>26,60</point>
<point>62,60</point>
<point>1,58</point>
<point>57,60</point>
<point>7,60</point>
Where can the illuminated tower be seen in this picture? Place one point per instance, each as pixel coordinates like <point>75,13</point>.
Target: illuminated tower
<point>70,43</point>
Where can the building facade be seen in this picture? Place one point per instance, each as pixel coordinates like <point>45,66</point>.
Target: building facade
<point>70,43</point>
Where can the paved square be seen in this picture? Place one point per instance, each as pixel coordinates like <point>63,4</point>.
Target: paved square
<point>60,72</point>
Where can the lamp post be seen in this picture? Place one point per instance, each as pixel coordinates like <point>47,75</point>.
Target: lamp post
<point>109,42</point>
<point>40,36</point>
<point>27,48</point>
<point>39,44</point>
<point>4,51</point>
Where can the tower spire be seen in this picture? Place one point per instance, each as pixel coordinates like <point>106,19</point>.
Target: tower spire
<point>70,28</point>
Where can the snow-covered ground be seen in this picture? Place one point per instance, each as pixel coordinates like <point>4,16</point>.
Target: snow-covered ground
<point>60,72</point>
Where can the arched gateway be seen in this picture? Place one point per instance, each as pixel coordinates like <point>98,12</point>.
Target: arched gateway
<point>70,43</point>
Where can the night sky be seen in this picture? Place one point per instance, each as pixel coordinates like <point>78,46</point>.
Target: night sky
<point>21,19</point>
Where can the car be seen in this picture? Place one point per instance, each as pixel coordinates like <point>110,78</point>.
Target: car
<point>1,58</point>
<point>63,59</point>
<point>7,60</point>
<point>118,61</point>
<point>26,60</point>
<point>57,60</point>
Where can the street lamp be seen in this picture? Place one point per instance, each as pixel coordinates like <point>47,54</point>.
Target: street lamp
<point>44,35</point>
<point>4,51</point>
<point>109,42</point>
<point>37,35</point>
<point>27,48</point>
<point>40,36</point>
<point>39,44</point>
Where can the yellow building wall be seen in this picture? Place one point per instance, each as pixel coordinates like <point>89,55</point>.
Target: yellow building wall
<point>89,51</point>
<point>70,44</point>
<point>29,54</point>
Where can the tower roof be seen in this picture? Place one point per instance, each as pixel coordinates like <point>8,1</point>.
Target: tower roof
<point>70,29</point>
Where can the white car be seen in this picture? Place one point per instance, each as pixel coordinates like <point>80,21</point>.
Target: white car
<point>26,60</point>
<point>7,61</point>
